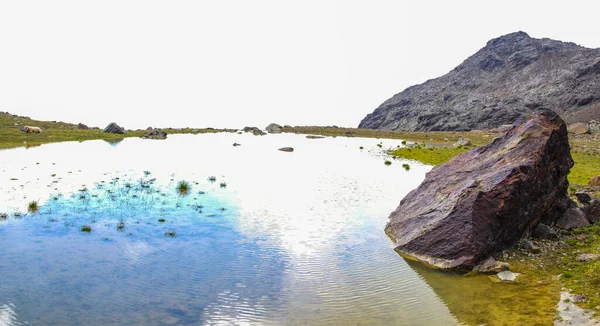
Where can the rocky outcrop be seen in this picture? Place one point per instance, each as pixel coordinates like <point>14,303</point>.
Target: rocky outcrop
<point>273,128</point>
<point>502,83</point>
<point>82,126</point>
<point>483,201</point>
<point>114,128</point>
<point>255,131</point>
<point>155,134</point>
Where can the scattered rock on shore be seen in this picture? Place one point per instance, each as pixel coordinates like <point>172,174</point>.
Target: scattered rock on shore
<point>579,128</point>
<point>483,201</point>
<point>286,149</point>
<point>155,134</point>
<point>82,126</point>
<point>114,128</point>
<point>273,128</point>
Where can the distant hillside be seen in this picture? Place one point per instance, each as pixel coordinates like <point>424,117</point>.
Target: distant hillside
<point>502,83</point>
<point>8,120</point>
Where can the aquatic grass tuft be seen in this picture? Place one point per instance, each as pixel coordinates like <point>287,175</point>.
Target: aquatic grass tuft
<point>162,220</point>
<point>3,216</point>
<point>183,188</point>
<point>212,178</point>
<point>121,226</point>
<point>171,234</point>
<point>86,229</point>
<point>32,207</point>
<point>406,166</point>
<point>223,184</point>
<point>387,162</point>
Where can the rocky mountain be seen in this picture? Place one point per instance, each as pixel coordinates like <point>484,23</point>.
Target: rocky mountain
<point>511,77</point>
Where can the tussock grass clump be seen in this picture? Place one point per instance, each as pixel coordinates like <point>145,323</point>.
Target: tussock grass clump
<point>183,188</point>
<point>212,178</point>
<point>86,229</point>
<point>32,207</point>
<point>3,216</point>
<point>387,162</point>
<point>406,166</point>
<point>223,184</point>
<point>121,226</point>
<point>171,234</point>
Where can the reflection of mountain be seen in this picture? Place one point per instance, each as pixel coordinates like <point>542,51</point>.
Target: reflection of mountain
<point>113,142</point>
<point>476,300</point>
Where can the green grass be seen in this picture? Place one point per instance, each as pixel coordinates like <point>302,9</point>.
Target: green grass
<point>86,229</point>
<point>162,220</point>
<point>183,188</point>
<point>386,162</point>
<point>171,234</point>
<point>223,184</point>
<point>56,131</point>
<point>32,207</point>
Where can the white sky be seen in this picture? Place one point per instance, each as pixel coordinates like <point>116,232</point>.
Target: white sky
<point>232,63</point>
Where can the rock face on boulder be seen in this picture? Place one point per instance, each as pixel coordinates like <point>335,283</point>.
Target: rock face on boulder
<point>82,126</point>
<point>155,134</point>
<point>255,131</point>
<point>504,82</point>
<point>114,128</point>
<point>273,128</point>
<point>483,201</point>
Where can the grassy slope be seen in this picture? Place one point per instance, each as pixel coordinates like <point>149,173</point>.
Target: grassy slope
<point>11,136</point>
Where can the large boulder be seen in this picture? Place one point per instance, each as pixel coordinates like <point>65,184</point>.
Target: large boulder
<point>483,201</point>
<point>82,126</point>
<point>273,128</point>
<point>114,128</point>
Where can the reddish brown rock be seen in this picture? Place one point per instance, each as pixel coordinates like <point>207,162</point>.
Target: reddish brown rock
<point>594,182</point>
<point>483,201</point>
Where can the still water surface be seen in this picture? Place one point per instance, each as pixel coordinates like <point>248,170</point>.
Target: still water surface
<point>289,238</point>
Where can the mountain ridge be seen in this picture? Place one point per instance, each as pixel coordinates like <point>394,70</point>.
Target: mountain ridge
<point>509,78</point>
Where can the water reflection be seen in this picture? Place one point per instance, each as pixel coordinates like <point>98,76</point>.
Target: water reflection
<point>476,300</point>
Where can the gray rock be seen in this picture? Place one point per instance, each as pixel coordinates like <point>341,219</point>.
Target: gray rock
<point>587,257</point>
<point>573,218</point>
<point>82,126</point>
<point>543,231</point>
<point>508,79</point>
<point>507,276</point>
<point>114,128</point>
<point>592,211</point>
<point>583,197</point>
<point>579,128</point>
<point>463,142</point>
<point>236,144</point>
<point>286,149</point>
<point>314,137</point>
<point>490,265</point>
<point>155,134</point>
<point>527,245</point>
<point>273,128</point>
<point>258,132</point>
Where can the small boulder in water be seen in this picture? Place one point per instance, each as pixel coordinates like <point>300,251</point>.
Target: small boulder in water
<point>507,276</point>
<point>287,149</point>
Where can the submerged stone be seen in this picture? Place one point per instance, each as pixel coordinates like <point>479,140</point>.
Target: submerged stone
<point>507,276</point>
<point>484,201</point>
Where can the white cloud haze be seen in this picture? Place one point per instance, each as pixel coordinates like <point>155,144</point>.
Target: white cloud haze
<point>234,63</point>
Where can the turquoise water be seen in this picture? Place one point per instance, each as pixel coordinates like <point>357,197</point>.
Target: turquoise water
<point>292,238</point>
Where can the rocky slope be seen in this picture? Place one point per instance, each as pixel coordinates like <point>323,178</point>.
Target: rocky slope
<point>502,83</point>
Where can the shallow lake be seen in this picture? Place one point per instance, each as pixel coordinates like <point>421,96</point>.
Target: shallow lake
<point>276,238</point>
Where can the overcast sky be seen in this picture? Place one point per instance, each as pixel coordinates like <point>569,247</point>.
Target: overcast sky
<point>232,63</point>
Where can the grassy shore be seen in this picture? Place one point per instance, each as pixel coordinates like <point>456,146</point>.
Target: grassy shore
<point>55,131</point>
